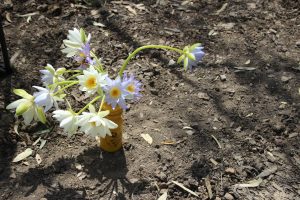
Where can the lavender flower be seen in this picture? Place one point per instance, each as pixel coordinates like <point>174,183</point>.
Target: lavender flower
<point>83,57</point>
<point>115,93</point>
<point>132,86</point>
<point>191,56</point>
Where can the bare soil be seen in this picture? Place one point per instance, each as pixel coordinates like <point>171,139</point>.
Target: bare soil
<point>232,118</point>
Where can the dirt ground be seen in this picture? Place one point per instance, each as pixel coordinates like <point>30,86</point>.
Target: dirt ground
<point>233,119</point>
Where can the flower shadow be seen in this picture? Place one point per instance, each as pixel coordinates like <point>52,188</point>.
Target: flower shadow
<point>106,172</point>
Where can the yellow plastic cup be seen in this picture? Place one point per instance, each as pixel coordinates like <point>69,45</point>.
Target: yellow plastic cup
<point>113,143</point>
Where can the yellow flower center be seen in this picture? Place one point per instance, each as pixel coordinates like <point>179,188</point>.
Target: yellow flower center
<point>130,88</point>
<point>81,54</point>
<point>93,124</point>
<point>115,92</point>
<point>91,82</point>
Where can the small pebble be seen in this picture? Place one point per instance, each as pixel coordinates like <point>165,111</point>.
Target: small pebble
<point>228,196</point>
<point>230,170</point>
<point>223,77</point>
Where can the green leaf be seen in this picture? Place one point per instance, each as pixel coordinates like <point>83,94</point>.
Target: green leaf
<point>23,107</point>
<point>180,58</point>
<point>60,71</point>
<point>23,93</point>
<point>41,115</point>
<point>191,56</point>
<point>82,35</point>
<point>185,63</point>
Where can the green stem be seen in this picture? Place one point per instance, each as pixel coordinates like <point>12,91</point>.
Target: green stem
<point>146,47</point>
<point>76,70</point>
<point>74,76</point>
<point>98,62</point>
<point>102,102</point>
<point>62,89</point>
<point>87,105</point>
<point>63,82</point>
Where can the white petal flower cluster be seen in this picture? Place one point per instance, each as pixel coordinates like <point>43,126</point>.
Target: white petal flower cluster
<point>50,75</point>
<point>68,121</point>
<point>45,98</point>
<point>95,124</point>
<point>91,80</point>
<point>27,108</point>
<point>76,40</point>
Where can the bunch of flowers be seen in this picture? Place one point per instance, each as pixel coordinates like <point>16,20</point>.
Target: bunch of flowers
<point>90,77</point>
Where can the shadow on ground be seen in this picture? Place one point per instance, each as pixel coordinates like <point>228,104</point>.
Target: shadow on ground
<point>108,169</point>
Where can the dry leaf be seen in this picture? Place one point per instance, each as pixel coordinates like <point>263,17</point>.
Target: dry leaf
<point>81,175</point>
<point>163,196</point>
<point>16,129</point>
<point>43,142</point>
<point>218,143</point>
<point>245,68</point>
<point>28,19</point>
<point>168,142</point>
<point>208,187</point>
<point>267,172</point>
<point>247,62</point>
<point>35,142</point>
<point>28,14</point>
<point>147,137</point>
<point>23,155</point>
<point>130,9</point>
<point>140,6</point>
<point>212,33</point>
<point>222,8</point>
<point>8,17</point>
<point>186,189</point>
<point>38,159</point>
<point>252,183</point>
<point>98,24</point>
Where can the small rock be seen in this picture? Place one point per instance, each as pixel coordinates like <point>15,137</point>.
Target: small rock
<point>230,170</point>
<point>190,132</point>
<point>278,128</point>
<point>55,10</point>
<point>134,180</point>
<point>223,77</point>
<point>293,135</point>
<point>192,182</point>
<point>78,166</point>
<point>285,79</point>
<point>171,62</point>
<point>13,175</point>
<point>203,96</point>
<point>228,196</point>
<point>154,92</point>
<point>162,176</point>
<point>279,141</point>
<point>298,43</point>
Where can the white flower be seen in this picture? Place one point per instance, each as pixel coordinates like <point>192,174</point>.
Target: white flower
<point>50,75</point>
<point>76,40</point>
<point>93,123</point>
<point>45,98</point>
<point>67,120</point>
<point>27,108</point>
<point>91,80</point>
